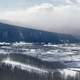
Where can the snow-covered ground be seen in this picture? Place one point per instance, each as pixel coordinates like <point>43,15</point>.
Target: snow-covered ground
<point>23,66</point>
<point>48,52</point>
<point>45,52</point>
<point>67,54</point>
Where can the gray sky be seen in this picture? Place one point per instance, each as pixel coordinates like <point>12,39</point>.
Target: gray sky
<point>52,15</point>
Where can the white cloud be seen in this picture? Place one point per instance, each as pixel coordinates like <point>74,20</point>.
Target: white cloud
<point>64,18</point>
<point>73,1</point>
<point>69,1</point>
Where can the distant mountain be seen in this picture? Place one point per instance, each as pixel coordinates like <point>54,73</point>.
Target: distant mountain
<point>11,33</point>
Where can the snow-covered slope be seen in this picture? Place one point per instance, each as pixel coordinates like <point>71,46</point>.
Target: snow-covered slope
<point>23,66</point>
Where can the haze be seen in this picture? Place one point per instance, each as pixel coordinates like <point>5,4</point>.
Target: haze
<point>62,16</point>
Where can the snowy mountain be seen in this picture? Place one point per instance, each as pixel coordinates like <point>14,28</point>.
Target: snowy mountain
<point>12,33</point>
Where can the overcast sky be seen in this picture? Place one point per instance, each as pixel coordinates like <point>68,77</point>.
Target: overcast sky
<point>51,15</point>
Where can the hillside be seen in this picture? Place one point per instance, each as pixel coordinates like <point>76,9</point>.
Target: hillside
<point>11,33</point>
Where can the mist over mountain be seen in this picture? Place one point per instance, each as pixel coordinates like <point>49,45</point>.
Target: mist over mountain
<point>11,33</point>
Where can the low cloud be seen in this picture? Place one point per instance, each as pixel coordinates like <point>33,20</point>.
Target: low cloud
<point>46,16</point>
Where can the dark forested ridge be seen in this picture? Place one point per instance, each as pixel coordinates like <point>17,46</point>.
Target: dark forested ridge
<point>11,33</point>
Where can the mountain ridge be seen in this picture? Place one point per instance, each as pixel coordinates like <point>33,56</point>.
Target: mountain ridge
<point>12,33</point>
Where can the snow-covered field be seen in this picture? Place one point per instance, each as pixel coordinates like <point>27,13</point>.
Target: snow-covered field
<point>47,52</point>
<point>41,58</point>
